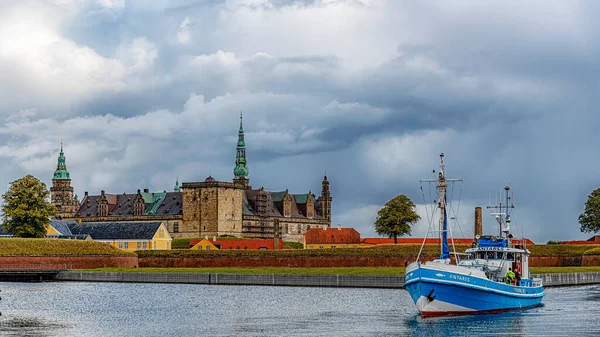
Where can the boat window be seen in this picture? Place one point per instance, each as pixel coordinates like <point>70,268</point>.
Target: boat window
<point>509,256</point>
<point>500,255</point>
<point>491,255</point>
<point>481,255</point>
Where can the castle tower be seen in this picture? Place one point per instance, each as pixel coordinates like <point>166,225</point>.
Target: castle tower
<point>241,171</point>
<point>326,200</point>
<point>61,192</point>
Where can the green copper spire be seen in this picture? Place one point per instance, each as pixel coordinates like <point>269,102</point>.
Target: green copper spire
<point>240,169</point>
<point>177,188</point>
<point>61,172</point>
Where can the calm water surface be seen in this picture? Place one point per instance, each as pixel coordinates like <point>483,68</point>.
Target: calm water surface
<point>122,309</point>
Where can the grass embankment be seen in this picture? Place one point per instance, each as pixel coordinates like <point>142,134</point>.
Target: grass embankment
<point>593,251</point>
<point>45,247</point>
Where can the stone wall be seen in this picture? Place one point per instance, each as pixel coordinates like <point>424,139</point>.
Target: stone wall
<point>190,227</point>
<point>67,262</point>
<point>229,208</point>
<point>358,281</point>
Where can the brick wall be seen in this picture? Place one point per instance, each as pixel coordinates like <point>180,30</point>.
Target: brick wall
<point>590,260</point>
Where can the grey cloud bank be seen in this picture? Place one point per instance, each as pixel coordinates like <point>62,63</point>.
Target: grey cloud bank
<point>371,91</point>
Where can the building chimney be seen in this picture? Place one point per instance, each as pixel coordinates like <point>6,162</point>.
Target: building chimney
<point>478,223</point>
<point>206,237</point>
<point>214,238</point>
<point>339,227</point>
<point>146,190</point>
<point>86,193</point>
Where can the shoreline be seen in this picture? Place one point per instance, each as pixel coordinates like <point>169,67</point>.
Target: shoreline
<point>293,280</point>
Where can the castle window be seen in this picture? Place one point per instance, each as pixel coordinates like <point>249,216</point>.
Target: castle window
<point>175,227</point>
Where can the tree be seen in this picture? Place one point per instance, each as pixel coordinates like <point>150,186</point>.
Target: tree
<point>590,218</point>
<point>395,218</point>
<point>26,208</point>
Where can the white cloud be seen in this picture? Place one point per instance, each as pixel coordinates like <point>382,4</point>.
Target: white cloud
<point>184,34</point>
<point>112,4</point>
<point>137,56</point>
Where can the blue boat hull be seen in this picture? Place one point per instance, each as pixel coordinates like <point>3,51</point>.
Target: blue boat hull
<point>439,293</point>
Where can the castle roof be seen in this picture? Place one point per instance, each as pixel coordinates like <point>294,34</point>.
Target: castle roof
<point>61,226</point>
<point>162,203</point>
<point>274,204</point>
<point>116,230</point>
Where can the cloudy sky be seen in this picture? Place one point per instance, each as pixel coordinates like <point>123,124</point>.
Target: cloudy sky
<point>369,90</point>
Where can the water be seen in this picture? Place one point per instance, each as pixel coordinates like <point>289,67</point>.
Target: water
<point>121,309</point>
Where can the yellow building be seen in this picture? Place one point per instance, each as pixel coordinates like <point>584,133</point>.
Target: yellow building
<point>204,244</point>
<point>123,235</point>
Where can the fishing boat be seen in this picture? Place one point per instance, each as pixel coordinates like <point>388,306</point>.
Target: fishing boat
<point>492,276</point>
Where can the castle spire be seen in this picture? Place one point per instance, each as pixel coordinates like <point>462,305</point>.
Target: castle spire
<point>240,170</point>
<point>61,172</point>
<point>177,188</point>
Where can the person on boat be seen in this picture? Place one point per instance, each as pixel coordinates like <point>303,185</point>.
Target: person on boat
<point>510,276</point>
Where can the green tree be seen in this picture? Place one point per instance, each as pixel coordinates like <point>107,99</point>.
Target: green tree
<point>26,208</point>
<point>590,218</point>
<point>395,218</point>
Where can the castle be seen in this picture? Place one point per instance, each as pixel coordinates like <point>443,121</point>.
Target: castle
<point>199,209</point>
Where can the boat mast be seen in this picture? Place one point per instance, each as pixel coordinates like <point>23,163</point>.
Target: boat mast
<point>442,204</point>
<point>443,225</point>
<point>503,216</point>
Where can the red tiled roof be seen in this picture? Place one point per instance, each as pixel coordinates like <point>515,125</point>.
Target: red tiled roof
<point>332,235</point>
<point>242,244</point>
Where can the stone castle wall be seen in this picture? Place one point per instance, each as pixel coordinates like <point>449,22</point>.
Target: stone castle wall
<point>229,209</point>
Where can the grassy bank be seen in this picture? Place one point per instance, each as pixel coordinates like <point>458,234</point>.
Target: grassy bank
<point>321,271</point>
<point>37,247</point>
